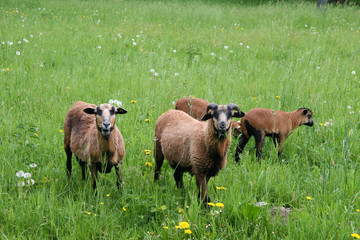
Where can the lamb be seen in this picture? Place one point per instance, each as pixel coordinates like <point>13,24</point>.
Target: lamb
<point>261,122</point>
<point>196,107</point>
<point>194,146</point>
<point>92,135</point>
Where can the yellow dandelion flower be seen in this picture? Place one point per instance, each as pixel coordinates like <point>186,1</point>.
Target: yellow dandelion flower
<point>277,97</point>
<point>309,198</point>
<point>7,69</point>
<point>36,134</point>
<point>211,204</point>
<point>147,120</point>
<point>108,195</point>
<point>68,87</point>
<point>187,231</point>
<point>219,204</point>
<point>133,101</point>
<point>254,98</point>
<point>147,152</point>
<point>148,164</point>
<point>177,227</point>
<point>355,235</point>
<point>84,16</point>
<point>322,124</point>
<point>102,203</point>
<point>358,210</point>
<point>165,227</point>
<point>179,211</point>
<point>95,214</point>
<point>88,213</point>
<point>61,130</point>
<point>184,225</point>
<point>124,209</point>
<point>141,49</point>
<point>221,188</point>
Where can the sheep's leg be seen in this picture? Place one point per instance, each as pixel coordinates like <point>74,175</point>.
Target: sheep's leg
<point>159,159</point>
<point>281,142</point>
<point>118,174</point>
<point>259,142</point>
<point>83,169</point>
<point>178,175</point>
<point>93,170</point>
<point>240,147</point>
<point>68,161</point>
<point>201,183</point>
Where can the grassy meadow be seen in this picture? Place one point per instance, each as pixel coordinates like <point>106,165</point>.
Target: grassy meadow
<point>148,54</point>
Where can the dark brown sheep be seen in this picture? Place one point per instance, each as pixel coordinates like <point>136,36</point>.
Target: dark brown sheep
<point>195,146</point>
<point>261,123</point>
<point>92,135</point>
<point>196,107</point>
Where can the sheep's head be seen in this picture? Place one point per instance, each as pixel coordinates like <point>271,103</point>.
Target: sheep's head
<point>222,115</point>
<point>105,117</point>
<point>306,117</point>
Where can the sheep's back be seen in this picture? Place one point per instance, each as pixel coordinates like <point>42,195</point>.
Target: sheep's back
<point>266,119</point>
<point>177,132</point>
<point>198,106</point>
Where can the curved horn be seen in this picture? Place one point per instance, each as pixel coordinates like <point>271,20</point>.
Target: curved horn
<point>233,105</point>
<point>211,106</point>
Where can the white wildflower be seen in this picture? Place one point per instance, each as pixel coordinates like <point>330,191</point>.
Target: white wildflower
<point>33,165</point>
<point>137,36</point>
<point>20,174</point>
<point>31,182</point>
<point>226,47</point>
<point>352,112</point>
<point>174,51</point>
<point>156,74</point>
<point>25,40</point>
<point>241,44</point>
<point>31,35</point>
<point>247,46</point>
<point>10,43</point>
<point>21,184</point>
<point>152,70</point>
<point>317,67</point>
<point>27,175</point>
<point>134,43</point>
<point>353,72</point>
<point>19,42</point>
<point>349,107</point>
<point>231,51</point>
<point>177,74</point>
<point>306,25</point>
<point>119,35</point>
<point>99,47</point>
<point>18,53</point>
<point>212,54</point>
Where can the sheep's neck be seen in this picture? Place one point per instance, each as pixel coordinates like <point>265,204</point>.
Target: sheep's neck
<point>219,145</point>
<point>295,121</point>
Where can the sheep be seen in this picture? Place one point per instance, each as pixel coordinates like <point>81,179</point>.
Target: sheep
<point>196,107</point>
<point>92,135</point>
<point>194,146</point>
<point>261,123</point>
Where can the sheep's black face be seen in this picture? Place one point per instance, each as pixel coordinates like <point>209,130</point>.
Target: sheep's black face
<point>306,117</point>
<point>222,116</point>
<point>105,117</point>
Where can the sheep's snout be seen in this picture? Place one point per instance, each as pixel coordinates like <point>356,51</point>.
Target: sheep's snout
<point>310,123</point>
<point>222,127</point>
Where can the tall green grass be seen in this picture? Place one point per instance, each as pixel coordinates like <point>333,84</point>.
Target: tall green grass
<point>222,52</point>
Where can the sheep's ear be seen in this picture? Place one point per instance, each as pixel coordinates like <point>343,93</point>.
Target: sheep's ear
<point>120,111</point>
<point>305,111</point>
<point>90,110</point>
<point>239,114</point>
<point>206,116</point>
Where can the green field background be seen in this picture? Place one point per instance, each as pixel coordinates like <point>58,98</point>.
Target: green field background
<point>281,56</point>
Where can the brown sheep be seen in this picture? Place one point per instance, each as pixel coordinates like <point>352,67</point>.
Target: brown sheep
<point>196,107</point>
<point>261,123</point>
<point>195,146</point>
<point>92,135</point>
